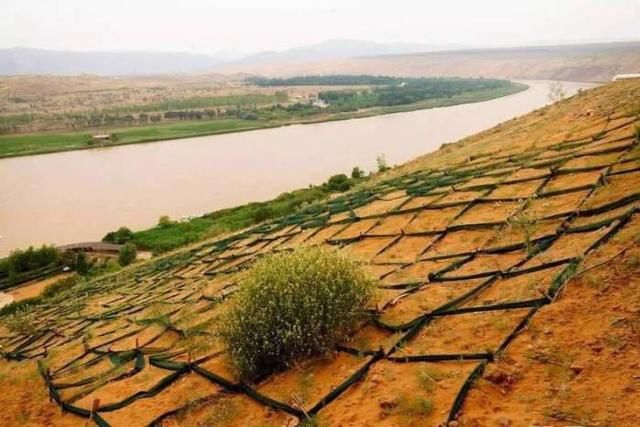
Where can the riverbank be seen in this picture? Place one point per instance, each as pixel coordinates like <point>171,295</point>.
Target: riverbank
<point>29,290</point>
<point>169,235</point>
<point>52,142</point>
<point>134,185</point>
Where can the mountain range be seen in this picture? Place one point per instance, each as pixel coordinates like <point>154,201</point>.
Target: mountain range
<point>21,60</point>
<point>593,62</point>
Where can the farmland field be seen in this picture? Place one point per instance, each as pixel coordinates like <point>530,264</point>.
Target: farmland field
<point>147,110</point>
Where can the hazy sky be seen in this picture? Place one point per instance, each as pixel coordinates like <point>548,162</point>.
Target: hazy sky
<point>252,25</point>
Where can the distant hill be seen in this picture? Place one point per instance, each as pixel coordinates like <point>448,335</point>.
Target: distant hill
<point>583,62</point>
<point>40,61</point>
<point>579,62</point>
<point>341,48</point>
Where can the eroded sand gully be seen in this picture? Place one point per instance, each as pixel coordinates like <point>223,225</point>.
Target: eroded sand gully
<point>509,230</point>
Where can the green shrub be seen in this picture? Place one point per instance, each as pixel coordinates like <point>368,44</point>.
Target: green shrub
<point>21,263</point>
<point>415,406</point>
<point>262,214</point>
<point>294,305</point>
<point>121,236</point>
<point>338,182</point>
<point>60,286</point>
<point>164,221</point>
<point>381,160</point>
<point>82,264</point>
<point>128,254</point>
<point>19,307</point>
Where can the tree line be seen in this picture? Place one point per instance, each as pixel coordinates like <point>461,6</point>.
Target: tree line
<point>409,91</point>
<point>329,80</point>
<point>37,263</point>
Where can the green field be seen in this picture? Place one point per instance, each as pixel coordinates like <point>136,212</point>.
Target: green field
<point>49,142</point>
<point>39,143</point>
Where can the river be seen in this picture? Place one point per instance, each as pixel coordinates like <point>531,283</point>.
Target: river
<point>80,195</point>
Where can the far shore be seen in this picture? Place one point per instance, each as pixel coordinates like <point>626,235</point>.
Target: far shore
<point>54,142</point>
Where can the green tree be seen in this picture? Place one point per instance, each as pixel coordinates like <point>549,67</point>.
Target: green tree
<point>556,92</point>
<point>338,182</point>
<point>121,236</point>
<point>381,160</point>
<point>128,254</point>
<point>357,173</point>
<point>20,261</point>
<point>81,264</point>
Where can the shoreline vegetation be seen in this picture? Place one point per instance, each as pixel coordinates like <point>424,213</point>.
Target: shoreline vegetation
<point>33,267</point>
<point>169,234</point>
<point>388,95</point>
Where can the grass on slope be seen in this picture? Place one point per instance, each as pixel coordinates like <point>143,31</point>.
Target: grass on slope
<point>165,237</point>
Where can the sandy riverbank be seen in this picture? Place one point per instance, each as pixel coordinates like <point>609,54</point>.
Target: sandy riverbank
<point>29,290</point>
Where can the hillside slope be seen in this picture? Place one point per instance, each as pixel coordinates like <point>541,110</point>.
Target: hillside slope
<point>339,48</point>
<point>471,243</point>
<point>578,360</point>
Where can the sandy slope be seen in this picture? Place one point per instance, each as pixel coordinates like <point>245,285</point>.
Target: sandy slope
<point>430,236</point>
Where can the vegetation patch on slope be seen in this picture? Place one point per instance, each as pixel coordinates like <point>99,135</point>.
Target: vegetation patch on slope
<point>168,234</point>
<point>292,306</point>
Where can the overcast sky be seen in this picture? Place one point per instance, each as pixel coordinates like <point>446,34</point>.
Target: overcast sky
<point>254,25</point>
